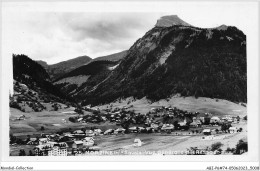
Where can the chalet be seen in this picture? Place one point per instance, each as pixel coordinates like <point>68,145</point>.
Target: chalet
<point>43,141</point>
<point>193,125</point>
<point>153,125</point>
<point>183,123</point>
<point>214,120</point>
<point>230,120</point>
<point>78,132</point>
<point>88,139</point>
<point>133,129</point>
<point>150,129</point>
<point>33,141</point>
<point>119,131</point>
<point>67,133</point>
<point>109,132</point>
<point>98,131</point>
<point>70,137</point>
<point>233,130</point>
<point>77,144</point>
<point>137,142</point>
<point>167,128</point>
<point>141,129</point>
<point>89,133</point>
<point>206,132</point>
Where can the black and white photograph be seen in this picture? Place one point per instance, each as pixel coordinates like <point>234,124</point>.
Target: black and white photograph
<point>159,79</point>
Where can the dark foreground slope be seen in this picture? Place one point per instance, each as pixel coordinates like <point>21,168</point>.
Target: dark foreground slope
<point>179,59</point>
<point>32,82</point>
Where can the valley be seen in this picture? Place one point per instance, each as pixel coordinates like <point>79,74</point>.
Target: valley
<point>156,143</point>
<point>178,88</point>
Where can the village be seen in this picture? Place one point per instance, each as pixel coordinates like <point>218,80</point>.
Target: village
<point>159,121</point>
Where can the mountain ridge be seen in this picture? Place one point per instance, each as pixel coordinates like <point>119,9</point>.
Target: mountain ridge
<point>159,65</point>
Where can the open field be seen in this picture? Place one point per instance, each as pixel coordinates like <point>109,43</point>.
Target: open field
<point>166,142</point>
<point>157,143</point>
<point>204,105</point>
<point>53,122</point>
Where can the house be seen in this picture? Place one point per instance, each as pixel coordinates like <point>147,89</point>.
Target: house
<point>167,128</point>
<point>193,125</point>
<point>206,132</point>
<point>230,120</point>
<point>133,129</point>
<point>183,123</point>
<point>233,130</point>
<point>89,133</point>
<point>78,132</point>
<point>137,142</point>
<point>80,119</point>
<point>98,131</point>
<point>70,137</point>
<point>109,132</point>
<point>141,129</point>
<point>149,129</point>
<point>43,141</point>
<point>67,133</point>
<point>88,141</point>
<point>119,131</point>
<point>77,144</point>
<point>42,150</point>
<point>155,126</point>
<point>59,149</point>
<point>214,120</point>
<point>33,141</point>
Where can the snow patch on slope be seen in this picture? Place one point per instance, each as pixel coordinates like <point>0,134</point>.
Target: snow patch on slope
<point>229,38</point>
<point>113,67</point>
<point>166,54</point>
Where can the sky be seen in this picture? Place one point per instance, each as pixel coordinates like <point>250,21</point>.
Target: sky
<point>57,35</point>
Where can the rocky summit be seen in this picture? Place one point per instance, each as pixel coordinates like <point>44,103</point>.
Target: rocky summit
<point>171,20</point>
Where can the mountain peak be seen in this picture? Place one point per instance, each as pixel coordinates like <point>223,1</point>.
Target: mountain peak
<point>170,20</point>
<point>222,27</point>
